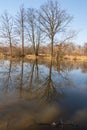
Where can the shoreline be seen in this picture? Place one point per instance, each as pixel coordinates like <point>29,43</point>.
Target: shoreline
<point>46,57</point>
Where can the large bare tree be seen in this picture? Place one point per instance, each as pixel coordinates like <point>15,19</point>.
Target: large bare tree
<point>6,29</point>
<point>33,29</point>
<point>20,25</point>
<point>53,20</point>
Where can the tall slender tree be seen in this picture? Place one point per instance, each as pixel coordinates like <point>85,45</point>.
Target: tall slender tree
<point>20,25</point>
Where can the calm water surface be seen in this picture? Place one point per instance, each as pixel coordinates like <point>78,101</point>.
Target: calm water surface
<point>34,94</point>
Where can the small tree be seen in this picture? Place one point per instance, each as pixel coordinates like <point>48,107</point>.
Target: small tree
<point>53,20</point>
<point>6,29</point>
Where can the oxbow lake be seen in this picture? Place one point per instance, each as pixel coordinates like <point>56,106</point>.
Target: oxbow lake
<point>34,94</point>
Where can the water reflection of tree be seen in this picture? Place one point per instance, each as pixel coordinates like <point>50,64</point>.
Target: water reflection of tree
<point>36,86</point>
<point>21,77</point>
<point>47,91</point>
<point>31,76</point>
<point>29,80</point>
<point>9,76</point>
<point>6,77</point>
<point>84,67</point>
<point>34,75</point>
<point>63,71</point>
<point>51,90</point>
<point>28,77</point>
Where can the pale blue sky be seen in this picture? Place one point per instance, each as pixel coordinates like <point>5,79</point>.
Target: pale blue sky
<point>76,8</point>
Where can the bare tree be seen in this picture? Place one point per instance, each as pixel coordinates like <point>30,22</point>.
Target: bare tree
<point>6,29</point>
<point>54,20</point>
<point>33,29</point>
<point>20,25</point>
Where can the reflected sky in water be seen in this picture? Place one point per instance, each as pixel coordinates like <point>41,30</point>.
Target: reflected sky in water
<point>38,92</point>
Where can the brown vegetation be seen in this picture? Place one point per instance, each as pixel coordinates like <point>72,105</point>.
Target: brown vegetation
<point>80,58</point>
<point>63,52</point>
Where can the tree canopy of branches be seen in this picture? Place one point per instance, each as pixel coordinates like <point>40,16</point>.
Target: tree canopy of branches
<point>6,29</point>
<point>33,29</point>
<point>53,20</point>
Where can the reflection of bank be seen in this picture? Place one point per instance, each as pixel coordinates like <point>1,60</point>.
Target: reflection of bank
<point>34,81</point>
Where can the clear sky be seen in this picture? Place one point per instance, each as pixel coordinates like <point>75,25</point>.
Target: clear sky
<point>76,8</point>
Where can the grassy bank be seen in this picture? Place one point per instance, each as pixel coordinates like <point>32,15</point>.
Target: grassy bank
<point>66,57</point>
<point>45,57</point>
<point>79,58</point>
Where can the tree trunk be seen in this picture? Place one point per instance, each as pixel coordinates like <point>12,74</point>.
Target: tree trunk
<point>52,40</point>
<point>37,49</point>
<point>22,41</point>
<point>33,40</point>
<point>36,52</point>
<point>10,47</point>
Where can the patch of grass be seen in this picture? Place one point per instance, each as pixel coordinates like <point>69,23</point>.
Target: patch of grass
<point>79,58</point>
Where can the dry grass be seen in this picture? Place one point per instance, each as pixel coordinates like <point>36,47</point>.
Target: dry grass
<point>1,56</point>
<point>47,57</point>
<point>41,56</point>
<point>79,58</point>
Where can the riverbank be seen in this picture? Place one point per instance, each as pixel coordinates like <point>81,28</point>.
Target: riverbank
<point>46,57</point>
<point>79,58</point>
<point>66,57</point>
